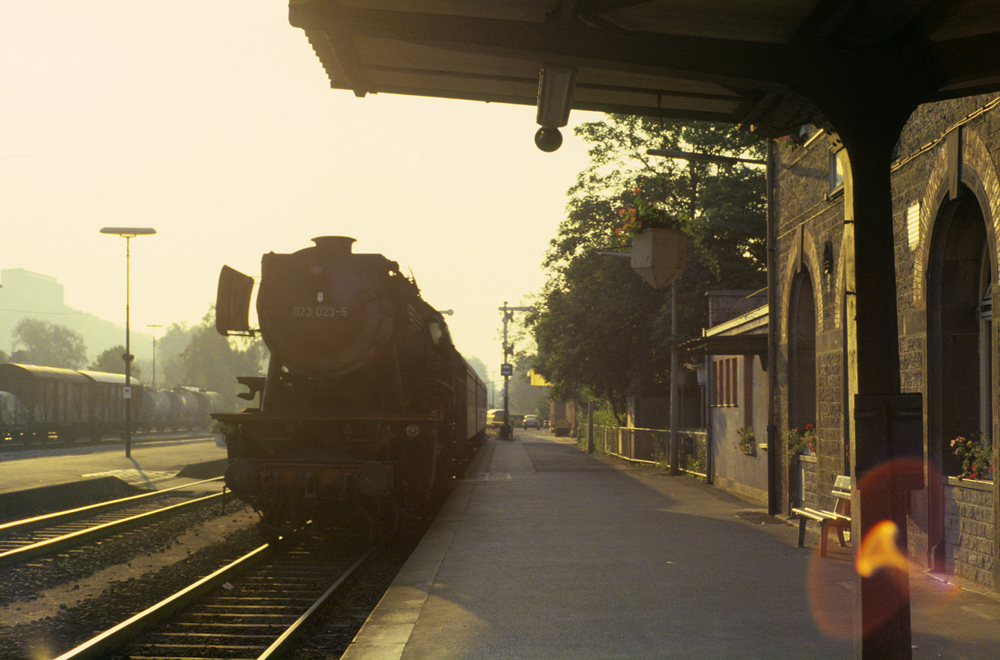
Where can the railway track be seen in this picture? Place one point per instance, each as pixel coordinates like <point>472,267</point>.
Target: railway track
<point>52,533</point>
<point>252,608</point>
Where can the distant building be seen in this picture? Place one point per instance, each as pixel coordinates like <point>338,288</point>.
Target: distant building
<point>31,292</point>
<point>26,294</point>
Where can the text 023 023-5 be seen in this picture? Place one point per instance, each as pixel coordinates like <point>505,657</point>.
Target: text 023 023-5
<point>319,311</point>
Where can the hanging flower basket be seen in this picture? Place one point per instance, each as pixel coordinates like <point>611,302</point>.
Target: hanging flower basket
<point>658,255</point>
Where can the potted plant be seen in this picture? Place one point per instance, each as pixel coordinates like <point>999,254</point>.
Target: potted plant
<point>976,454</point>
<point>801,440</point>
<point>747,442</point>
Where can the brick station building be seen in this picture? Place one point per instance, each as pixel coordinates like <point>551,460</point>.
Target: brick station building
<point>946,211</point>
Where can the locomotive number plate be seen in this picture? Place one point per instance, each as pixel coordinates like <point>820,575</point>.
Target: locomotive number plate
<point>319,312</point>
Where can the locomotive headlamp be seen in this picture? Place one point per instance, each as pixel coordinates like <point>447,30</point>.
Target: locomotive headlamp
<point>413,430</point>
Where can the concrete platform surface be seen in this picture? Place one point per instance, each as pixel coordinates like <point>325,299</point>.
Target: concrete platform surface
<point>544,552</point>
<point>151,466</point>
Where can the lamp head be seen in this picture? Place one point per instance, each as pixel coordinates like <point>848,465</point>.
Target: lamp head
<point>128,232</point>
<point>556,84</point>
<point>548,139</point>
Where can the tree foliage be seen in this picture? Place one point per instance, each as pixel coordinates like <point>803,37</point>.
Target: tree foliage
<point>211,361</point>
<point>50,344</point>
<point>170,366</point>
<point>599,328</point>
<point>110,361</point>
<point>199,357</point>
<point>214,362</point>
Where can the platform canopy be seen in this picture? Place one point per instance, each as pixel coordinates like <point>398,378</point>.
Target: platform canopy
<point>770,65</point>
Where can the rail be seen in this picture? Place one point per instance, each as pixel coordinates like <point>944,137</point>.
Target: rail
<point>27,524</point>
<point>99,646</point>
<point>652,446</point>
<point>279,594</point>
<point>62,541</point>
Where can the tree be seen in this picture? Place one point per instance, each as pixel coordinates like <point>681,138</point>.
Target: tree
<point>110,361</point>
<point>213,362</point>
<point>170,366</point>
<point>599,328</point>
<point>597,333</point>
<point>49,344</point>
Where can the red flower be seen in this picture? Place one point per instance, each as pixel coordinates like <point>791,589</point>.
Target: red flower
<point>810,427</point>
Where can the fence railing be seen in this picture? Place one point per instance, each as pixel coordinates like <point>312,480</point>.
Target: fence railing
<point>653,446</point>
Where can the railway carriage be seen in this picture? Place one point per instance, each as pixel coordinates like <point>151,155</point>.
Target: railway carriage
<point>66,403</point>
<point>106,405</point>
<point>39,402</point>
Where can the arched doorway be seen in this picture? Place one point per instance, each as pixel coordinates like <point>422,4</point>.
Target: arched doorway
<point>801,372</point>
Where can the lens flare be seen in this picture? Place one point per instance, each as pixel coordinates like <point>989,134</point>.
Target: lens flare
<point>832,581</point>
<point>878,550</point>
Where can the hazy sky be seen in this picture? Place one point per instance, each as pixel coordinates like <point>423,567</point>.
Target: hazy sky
<point>213,122</point>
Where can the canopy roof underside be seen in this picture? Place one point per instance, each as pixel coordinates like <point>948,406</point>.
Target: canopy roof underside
<point>761,65</point>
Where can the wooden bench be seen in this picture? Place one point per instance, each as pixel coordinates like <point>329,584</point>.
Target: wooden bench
<point>840,519</point>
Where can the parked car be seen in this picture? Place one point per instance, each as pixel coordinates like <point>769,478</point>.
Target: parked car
<point>532,422</point>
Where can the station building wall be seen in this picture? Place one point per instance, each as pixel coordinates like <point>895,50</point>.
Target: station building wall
<point>946,211</point>
<point>744,407</point>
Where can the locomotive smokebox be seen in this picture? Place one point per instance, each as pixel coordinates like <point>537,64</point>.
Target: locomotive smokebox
<point>325,311</point>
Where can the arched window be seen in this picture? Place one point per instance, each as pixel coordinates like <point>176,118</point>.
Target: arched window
<point>986,347</point>
<point>802,353</point>
<point>959,327</point>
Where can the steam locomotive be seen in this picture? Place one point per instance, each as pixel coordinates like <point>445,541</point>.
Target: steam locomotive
<point>367,407</point>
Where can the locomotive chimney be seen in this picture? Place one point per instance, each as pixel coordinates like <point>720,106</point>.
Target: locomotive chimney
<point>337,246</point>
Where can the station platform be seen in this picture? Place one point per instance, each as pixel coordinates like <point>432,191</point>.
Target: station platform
<point>151,465</point>
<point>546,552</point>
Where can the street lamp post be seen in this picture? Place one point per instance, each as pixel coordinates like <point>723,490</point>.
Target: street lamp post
<point>506,369</point>
<point>128,233</point>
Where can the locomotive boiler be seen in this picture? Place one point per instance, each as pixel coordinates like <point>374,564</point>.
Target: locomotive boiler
<point>366,408</point>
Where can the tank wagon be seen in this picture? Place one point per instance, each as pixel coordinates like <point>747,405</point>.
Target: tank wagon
<point>180,408</point>
<point>367,407</point>
<point>40,402</point>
